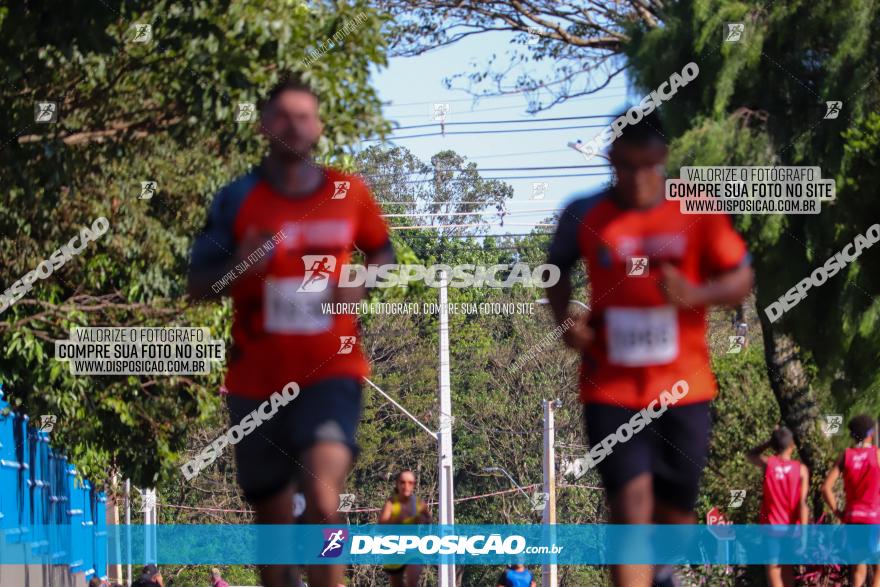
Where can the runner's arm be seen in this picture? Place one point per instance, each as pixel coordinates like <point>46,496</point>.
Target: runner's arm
<point>805,489</point>
<point>564,253</point>
<point>728,289</point>
<point>725,266</point>
<point>756,456</point>
<point>385,515</point>
<point>424,514</point>
<point>215,252</point>
<point>828,487</point>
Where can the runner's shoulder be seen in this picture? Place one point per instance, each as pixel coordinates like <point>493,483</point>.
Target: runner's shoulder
<point>357,183</point>
<point>578,208</point>
<point>234,192</point>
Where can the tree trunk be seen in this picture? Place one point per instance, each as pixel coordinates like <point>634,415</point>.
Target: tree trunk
<point>797,404</point>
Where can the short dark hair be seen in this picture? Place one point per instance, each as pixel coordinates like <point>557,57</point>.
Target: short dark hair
<point>95,581</point>
<point>781,439</point>
<point>291,82</point>
<point>860,427</point>
<point>647,130</point>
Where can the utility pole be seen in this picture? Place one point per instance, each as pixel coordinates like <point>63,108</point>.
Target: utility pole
<point>548,572</point>
<point>150,521</point>
<point>444,440</point>
<point>128,525</point>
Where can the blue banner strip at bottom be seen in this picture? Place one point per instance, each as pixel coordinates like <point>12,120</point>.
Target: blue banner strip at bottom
<point>588,544</point>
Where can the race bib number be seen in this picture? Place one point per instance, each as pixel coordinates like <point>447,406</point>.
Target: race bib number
<point>640,337</point>
<point>290,311</point>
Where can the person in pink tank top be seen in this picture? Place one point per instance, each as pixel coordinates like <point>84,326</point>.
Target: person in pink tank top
<point>784,501</point>
<point>860,466</point>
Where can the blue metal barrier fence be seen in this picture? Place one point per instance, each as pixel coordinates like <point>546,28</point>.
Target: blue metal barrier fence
<point>45,507</point>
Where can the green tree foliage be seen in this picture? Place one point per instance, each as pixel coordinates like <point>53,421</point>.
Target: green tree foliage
<point>130,112</point>
<point>762,102</point>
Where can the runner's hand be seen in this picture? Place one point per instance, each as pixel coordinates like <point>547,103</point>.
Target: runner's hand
<point>579,335</point>
<point>677,289</point>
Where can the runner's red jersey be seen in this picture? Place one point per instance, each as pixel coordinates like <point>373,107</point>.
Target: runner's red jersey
<point>282,330</point>
<point>643,343</point>
<point>861,481</point>
<point>782,492</point>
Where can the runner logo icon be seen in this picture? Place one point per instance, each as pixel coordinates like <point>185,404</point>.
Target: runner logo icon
<point>318,270</point>
<point>637,266</point>
<point>340,189</point>
<point>346,345</point>
<point>334,542</point>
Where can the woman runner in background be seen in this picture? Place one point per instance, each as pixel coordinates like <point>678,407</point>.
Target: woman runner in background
<point>403,507</point>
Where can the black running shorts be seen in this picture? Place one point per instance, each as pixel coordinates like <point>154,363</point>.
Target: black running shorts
<point>673,448</point>
<point>269,458</point>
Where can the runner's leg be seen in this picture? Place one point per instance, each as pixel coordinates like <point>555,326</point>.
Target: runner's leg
<point>859,573</point>
<point>276,509</point>
<point>788,575</point>
<point>327,465</point>
<point>633,504</point>
<point>396,579</point>
<point>411,575</point>
<point>626,475</point>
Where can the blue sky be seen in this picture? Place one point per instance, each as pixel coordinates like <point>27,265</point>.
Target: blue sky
<point>412,85</point>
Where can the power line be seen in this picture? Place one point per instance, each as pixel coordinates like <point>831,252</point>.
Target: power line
<point>514,177</point>
<point>496,97</point>
<point>484,132</point>
<point>539,168</point>
<point>487,203</point>
<point>466,225</point>
<point>514,121</point>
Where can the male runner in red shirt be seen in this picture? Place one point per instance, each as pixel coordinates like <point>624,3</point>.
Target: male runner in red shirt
<point>784,502</point>
<point>646,330</point>
<point>281,333</point>
<point>860,466</point>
